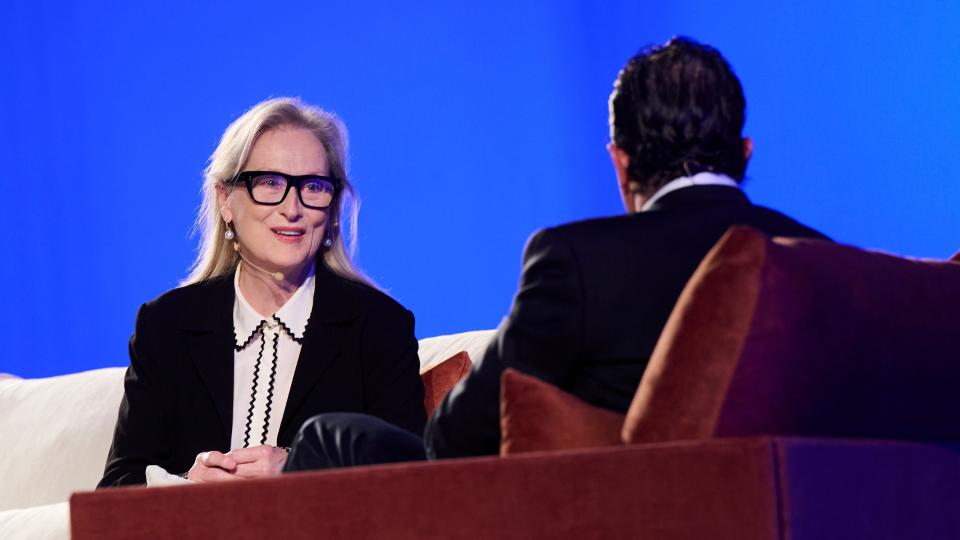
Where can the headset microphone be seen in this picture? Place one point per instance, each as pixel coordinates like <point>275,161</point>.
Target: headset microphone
<point>275,275</point>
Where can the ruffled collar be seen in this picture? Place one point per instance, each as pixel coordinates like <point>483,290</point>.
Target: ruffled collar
<point>291,318</point>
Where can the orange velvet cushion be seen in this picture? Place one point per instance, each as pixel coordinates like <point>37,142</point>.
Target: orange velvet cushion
<point>805,337</point>
<point>535,416</point>
<point>441,378</point>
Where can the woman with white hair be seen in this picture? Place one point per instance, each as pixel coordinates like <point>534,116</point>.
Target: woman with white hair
<point>274,324</point>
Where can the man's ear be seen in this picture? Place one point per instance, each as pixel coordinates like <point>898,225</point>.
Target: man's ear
<point>629,190</point>
<point>621,161</point>
<point>747,149</point>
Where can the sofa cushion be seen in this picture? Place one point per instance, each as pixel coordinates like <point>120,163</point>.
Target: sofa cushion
<point>438,380</point>
<point>956,257</point>
<point>535,416</point>
<point>805,337</point>
<point>45,522</point>
<point>434,350</point>
<point>54,434</point>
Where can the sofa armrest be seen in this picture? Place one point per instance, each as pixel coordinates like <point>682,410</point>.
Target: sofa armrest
<point>746,489</point>
<point>853,488</point>
<point>714,489</point>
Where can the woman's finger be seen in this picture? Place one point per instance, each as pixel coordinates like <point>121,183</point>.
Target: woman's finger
<point>218,460</point>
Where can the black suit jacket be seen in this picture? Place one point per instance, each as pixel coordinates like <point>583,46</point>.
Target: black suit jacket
<point>592,300</point>
<point>359,354</point>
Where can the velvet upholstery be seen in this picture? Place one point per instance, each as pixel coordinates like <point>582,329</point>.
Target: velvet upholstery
<point>956,257</point>
<point>537,416</point>
<point>441,378</point>
<point>683,388</point>
<point>708,489</point>
<point>836,489</point>
<point>805,337</point>
<point>722,489</point>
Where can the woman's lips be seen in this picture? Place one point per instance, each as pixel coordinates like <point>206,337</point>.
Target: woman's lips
<point>288,235</point>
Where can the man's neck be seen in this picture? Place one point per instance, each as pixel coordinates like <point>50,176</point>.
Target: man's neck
<point>643,203</point>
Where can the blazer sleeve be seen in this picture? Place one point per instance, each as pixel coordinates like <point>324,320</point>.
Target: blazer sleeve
<point>541,336</point>
<point>392,386</point>
<point>142,434</point>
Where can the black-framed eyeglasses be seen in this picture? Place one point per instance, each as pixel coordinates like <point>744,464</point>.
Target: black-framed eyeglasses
<point>271,188</point>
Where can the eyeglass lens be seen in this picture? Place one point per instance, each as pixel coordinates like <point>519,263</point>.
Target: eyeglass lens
<point>270,189</point>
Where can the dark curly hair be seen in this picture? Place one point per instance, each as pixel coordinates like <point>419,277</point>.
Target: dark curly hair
<point>678,109</point>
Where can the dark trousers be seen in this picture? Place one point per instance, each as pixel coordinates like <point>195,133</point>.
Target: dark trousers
<point>336,440</point>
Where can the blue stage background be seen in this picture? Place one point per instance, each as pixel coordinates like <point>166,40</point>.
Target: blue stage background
<point>471,126</point>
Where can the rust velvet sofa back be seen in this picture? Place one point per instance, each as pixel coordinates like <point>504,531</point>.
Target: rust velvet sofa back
<point>809,338</point>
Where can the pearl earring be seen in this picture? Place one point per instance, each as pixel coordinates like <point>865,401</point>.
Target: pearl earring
<point>327,242</point>
<point>228,234</point>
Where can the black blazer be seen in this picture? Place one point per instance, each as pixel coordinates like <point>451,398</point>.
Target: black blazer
<point>359,354</point>
<point>592,301</point>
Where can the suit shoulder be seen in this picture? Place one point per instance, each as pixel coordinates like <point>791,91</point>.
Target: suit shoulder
<point>187,296</point>
<point>770,221</point>
<point>189,305</point>
<point>586,229</point>
<point>366,295</point>
<point>779,224</point>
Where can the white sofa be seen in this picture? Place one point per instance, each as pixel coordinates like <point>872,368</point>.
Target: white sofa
<point>55,434</point>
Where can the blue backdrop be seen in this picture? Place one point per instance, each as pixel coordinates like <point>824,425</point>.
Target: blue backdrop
<point>471,126</point>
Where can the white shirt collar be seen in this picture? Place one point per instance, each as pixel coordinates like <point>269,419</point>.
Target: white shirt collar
<point>705,178</point>
<point>293,315</point>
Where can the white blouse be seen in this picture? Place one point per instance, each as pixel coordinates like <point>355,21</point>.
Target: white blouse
<point>265,357</point>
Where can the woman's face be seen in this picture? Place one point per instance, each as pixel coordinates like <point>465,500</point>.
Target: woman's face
<point>284,237</point>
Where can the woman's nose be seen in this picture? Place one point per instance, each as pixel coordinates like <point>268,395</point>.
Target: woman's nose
<point>291,207</point>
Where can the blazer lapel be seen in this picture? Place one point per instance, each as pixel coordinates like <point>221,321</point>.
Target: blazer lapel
<point>319,349</point>
<point>335,300</point>
<point>212,355</point>
<point>211,342</point>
